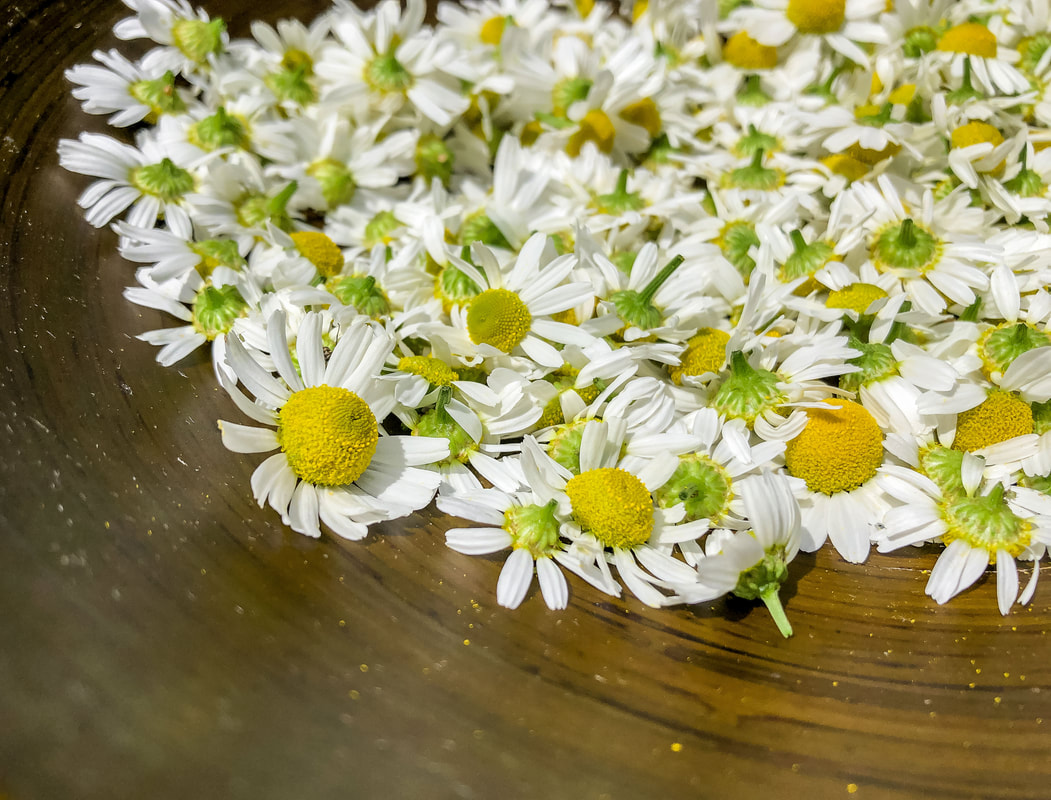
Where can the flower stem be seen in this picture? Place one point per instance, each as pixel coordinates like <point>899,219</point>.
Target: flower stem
<point>772,601</point>
<point>646,295</point>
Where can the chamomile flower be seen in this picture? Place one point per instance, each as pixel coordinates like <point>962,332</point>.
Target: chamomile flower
<point>979,526</point>
<point>153,179</point>
<point>125,90</point>
<point>610,505</point>
<point>511,314</point>
<point>208,306</point>
<point>842,25</point>
<point>836,457</point>
<point>387,60</point>
<point>335,465</point>
<point>188,37</point>
<point>971,50</point>
<point>522,521</point>
<point>932,246</point>
<point>753,563</point>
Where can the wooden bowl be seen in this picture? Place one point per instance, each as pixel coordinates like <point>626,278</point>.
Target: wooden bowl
<point>162,637</point>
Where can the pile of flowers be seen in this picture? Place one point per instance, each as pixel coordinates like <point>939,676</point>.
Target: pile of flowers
<point>657,295</point>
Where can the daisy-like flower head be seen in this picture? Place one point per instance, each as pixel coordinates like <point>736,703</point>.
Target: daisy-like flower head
<point>511,315</point>
<point>613,515</point>
<point>979,525</point>
<point>126,90</point>
<point>388,59</point>
<point>153,178</point>
<point>932,246</point>
<point>335,464</point>
<point>841,24</point>
<point>970,50</point>
<point>836,457</point>
<point>521,521</point>
<point>188,37</point>
<point>285,57</point>
<point>209,307</point>
<point>753,563</point>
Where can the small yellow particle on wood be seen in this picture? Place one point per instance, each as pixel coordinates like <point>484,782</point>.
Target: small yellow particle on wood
<point>851,788</point>
<point>466,642</point>
<point>353,694</point>
<point>676,747</point>
<point>835,683</point>
<point>364,667</point>
<point>106,523</point>
<point>342,623</point>
<point>997,700</point>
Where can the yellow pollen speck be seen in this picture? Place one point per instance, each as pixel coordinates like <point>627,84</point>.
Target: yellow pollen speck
<point>817,16</point>
<point>851,788</point>
<point>856,297</point>
<point>354,694</point>
<point>466,642</point>
<point>840,448</point>
<point>971,38</point>
<point>364,667</point>
<point>492,30</point>
<point>746,53</point>
<point>705,352</point>
<point>613,506</point>
<point>643,113</point>
<point>319,250</point>
<point>850,168</point>
<point>328,435</point>
<point>436,371</point>
<point>594,127</point>
<point>498,317</point>
<point>1001,416</point>
<point>676,747</point>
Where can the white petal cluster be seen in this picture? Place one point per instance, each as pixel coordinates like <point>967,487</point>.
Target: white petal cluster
<point>658,295</point>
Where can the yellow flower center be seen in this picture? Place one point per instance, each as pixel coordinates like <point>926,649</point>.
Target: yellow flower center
<point>856,297</point>
<point>978,132</point>
<point>840,448</point>
<point>319,250</point>
<point>1001,416</point>
<point>746,53</point>
<point>705,352</point>
<point>594,127</point>
<point>498,317</point>
<point>971,38</point>
<point>492,30</point>
<point>643,113</point>
<point>847,166</point>
<point>903,95</point>
<point>872,157</point>
<point>613,506</point>
<point>328,435</point>
<point>817,16</point>
<point>436,371</point>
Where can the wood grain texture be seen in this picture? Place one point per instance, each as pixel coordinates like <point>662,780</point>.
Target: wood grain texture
<point>162,637</point>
